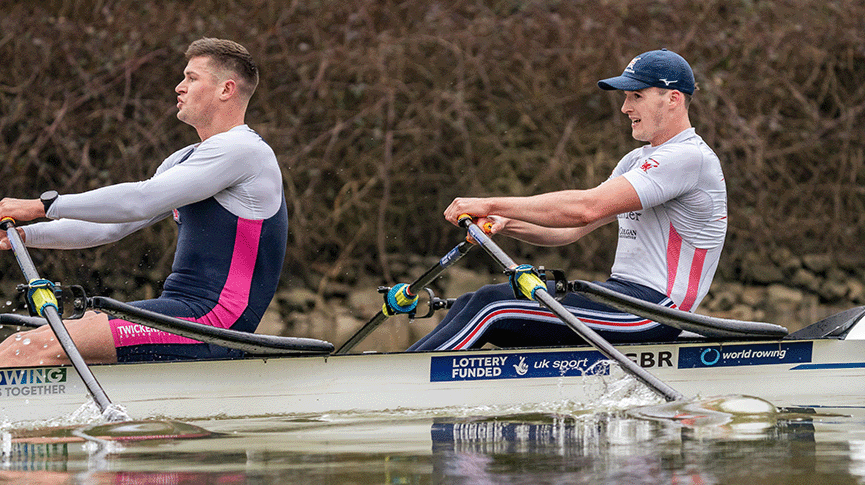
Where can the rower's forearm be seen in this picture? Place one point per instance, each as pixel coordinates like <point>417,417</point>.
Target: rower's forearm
<point>538,235</point>
<point>548,236</point>
<point>563,209</point>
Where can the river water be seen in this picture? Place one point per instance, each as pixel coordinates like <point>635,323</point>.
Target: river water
<point>547,444</point>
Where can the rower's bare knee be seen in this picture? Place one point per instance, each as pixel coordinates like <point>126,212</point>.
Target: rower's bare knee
<point>29,348</point>
<point>91,334</point>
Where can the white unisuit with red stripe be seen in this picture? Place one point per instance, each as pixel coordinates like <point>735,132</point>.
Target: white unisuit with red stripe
<point>674,243</point>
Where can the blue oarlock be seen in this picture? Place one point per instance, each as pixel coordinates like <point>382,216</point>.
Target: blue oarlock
<point>399,300</point>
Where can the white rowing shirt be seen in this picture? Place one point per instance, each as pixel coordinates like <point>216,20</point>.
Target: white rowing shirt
<point>674,243</point>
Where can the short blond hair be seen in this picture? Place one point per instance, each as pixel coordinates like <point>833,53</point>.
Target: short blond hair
<point>228,55</point>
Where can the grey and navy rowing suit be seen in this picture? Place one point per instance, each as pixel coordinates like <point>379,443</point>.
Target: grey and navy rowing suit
<point>225,195</point>
<point>667,253</point>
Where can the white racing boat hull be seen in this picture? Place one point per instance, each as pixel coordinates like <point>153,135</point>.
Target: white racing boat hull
<point>822,372</point>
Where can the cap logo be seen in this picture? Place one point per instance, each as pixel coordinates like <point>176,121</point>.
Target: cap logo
<point>667,83</point>
<point>630,67</point>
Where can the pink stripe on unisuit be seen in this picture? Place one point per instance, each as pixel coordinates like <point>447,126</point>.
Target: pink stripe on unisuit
<point>232,300</point>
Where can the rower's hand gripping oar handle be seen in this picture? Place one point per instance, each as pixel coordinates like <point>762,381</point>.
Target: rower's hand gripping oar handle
<point>540,293</point>
<point>481,238</point>
<point>487,229</point>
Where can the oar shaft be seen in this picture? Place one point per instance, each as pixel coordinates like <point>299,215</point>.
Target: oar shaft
<point>76,358</point>
<point>573,322</point>
<point>56,323</point>
<point>487,244</point>
<point>425,279</point>
<point>604,347</point>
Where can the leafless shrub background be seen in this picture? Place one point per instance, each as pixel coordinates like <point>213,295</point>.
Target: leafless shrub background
<point>381,112</point>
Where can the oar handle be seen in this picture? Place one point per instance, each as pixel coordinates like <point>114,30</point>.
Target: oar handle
<point>24,261</point>
<point>52,316</point>
<point>589,335</point>
<point>481,238</point>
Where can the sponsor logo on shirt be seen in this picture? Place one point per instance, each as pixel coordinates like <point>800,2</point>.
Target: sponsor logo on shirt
<point>176,215</point>
<point>627,233</point>
<point>630,216</point>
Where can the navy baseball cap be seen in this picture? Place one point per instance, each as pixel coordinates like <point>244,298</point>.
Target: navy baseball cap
<point>661,69</point>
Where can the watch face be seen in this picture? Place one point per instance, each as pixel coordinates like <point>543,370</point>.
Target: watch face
<point>48,198</point>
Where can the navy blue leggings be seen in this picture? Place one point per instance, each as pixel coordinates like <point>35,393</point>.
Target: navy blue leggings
<point>492,315</point>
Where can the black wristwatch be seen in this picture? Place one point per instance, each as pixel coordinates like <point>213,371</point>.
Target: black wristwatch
<point>48,198</point>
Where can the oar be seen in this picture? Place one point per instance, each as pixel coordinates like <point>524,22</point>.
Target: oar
<point>252,343</point>
<point>534,288</point>
<point>450,258</point>
<point>48,310</point>
<point>21,320</point>
<point>704,325</point>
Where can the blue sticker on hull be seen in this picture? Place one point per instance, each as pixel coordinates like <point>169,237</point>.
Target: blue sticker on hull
<point>462,367</point>
<point>749,354</point>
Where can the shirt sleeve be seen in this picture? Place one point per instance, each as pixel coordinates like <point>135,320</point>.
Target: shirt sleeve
<point>208,170</point>
<point>666,174</point>
<point>74,234</point>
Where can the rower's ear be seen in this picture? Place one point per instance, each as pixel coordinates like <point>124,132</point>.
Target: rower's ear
<point>229,89</point>
<point>677,98</point>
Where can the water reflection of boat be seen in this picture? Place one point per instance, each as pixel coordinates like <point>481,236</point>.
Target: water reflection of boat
<point>24,456</point>
<point>609,448</point>
<point>542,447</point>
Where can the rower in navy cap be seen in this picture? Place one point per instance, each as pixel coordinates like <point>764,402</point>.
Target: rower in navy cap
<point>668,197</point>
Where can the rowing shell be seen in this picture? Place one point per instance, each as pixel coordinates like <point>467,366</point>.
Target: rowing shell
<point>786,372</point>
